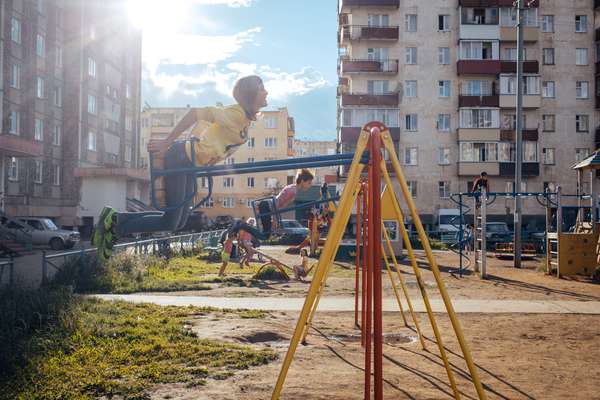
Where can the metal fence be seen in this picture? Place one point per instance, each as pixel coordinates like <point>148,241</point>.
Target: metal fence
<point>166,246</point>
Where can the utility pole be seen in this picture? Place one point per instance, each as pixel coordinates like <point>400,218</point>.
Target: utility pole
<point>519,136</point>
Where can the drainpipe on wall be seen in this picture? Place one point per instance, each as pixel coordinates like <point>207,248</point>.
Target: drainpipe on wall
<point>2,6</point>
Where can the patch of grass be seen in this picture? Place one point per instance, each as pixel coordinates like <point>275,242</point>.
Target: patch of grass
<point>270,273</point>
<point>252,314</point>
<point>87,348</point>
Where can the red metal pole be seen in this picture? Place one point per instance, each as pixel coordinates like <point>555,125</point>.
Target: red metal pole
<point>357,260</point>
<point>376,145</point>
<point>369,294</point>
<point>365,194</point>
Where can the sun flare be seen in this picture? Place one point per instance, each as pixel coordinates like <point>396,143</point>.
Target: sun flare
<point>156,16</point>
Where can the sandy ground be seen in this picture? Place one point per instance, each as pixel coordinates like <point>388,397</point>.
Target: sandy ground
<point>504,282</point>
<point>519,357</point>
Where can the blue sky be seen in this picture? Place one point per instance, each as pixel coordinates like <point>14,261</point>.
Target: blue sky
<point>194,50</point>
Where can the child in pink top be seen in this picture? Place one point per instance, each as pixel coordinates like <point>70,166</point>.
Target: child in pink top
<point>226,253</point>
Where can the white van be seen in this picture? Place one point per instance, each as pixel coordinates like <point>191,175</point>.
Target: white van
<point>448,222</point>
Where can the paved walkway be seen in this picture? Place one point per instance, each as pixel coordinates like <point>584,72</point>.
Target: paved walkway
<point>389,304</point>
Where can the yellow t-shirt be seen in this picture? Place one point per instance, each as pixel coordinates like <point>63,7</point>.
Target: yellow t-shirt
<point>228,130</point>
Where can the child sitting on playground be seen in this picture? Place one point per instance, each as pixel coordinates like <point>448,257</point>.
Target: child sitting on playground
<point>245,241</point>
<point>228,130</point>
<point>301,270</point>
<point>226,253</point>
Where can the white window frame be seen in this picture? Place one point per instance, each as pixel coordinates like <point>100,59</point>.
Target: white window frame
<point>40,88</point>
<point>410,23</point>
<point>548,119</point>
<point>410,89</point>
<point>443,55</point>
<point>548,89</point>
<point>58,96</point>
<point>581,154</point>
<point>40,45</point>
<point>549,156</point>
<point>250,182</point>
<point>38,131</point>
<point>443,123</point>
<point>251,142</point>
<point>411,156</point>
<point>91,67</point>
<point>15,76</point>
<point>92,141</point>
<point>38,172</point>
<point>91,108</point>
<point>13,169</point>
<point>56,174</point>
<point>548,23</point>
<point>228,182</point>
<point>228,202</point>
<point>270,122</point>
<point>443,23</point>
<point>582,90</point>
<point>548,56</point>
<point>15,30</point>
<point>582,123</point>
<point>444,156</point>
<point>58,57</point>
<point>14,124</point>
<point>411,122</point>
<point>581,22</point>
<point>270,142</point>
<point>581,56</point>
<point>444,189</point>
<point>411,55</point>
<point>444,89</point>
<point>57,135</point>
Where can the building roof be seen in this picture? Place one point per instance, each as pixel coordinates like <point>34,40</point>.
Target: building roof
<point>592,162</point>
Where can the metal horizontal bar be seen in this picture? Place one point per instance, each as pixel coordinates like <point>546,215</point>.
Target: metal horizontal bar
<point>300,206</point>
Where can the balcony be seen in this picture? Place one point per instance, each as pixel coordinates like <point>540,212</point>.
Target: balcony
<point>479,101</point>
<point>366,32</point>
<point>369,3</point>
<point>351,134</point>
<point>478,134</point>
<point>362,66</point>
<point>390,99</point>
<point>16,146</point>
<point>475,168</point>
<point>528,169</point>
<point>529,101</point>
<point>529,67</point>
<point>478,67</point>
<point>479,31</point>
<point>509,34</point>
<point>509,135</point>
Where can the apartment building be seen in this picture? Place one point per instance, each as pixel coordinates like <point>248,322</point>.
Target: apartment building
<point>309,148</point>
<point>270,137</point>
<point>70,105</point>
<point>442,75</point>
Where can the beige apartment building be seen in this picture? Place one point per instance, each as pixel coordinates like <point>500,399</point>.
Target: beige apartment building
<point>310,148</point>
<point>441,74</point>
<point>270,137</point>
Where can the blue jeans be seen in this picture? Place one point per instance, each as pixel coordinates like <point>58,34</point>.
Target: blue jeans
<point>178,187</point>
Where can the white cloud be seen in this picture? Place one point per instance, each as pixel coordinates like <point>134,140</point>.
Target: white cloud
<point>229,3</point>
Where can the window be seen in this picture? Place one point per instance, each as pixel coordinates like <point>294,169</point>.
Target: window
<point>410,89</point>
<point>410,22</point>
<point>270,142</point>
<point>40,6</point>
<point>228,182</point>
<point>210,203</point>
<point>378,53</point>
<point>58,55</point>
<point>91,104</point>
<point>443,23</point>
<point>229,161</point>
<point>38,133</point>
<point>477,50</point>
<point>228,202</point>
<point>581,56</point>
<point>529,151</point>
<point>581,154</point>
<point>477,88</point>
<point>444,189</point>
<point>127,91</point>
<point>360,117</point>
<point>56,174</point>
<point>270,183</point>
<point>14,123</point>
<point>13,169</point>
<point>548,123</point>
<point>548,89</point>
<point>37,176</point>
<point>91,141</point>
<point>412,188</point>
<point>548,56</point>
<point>444,88</point>
<point>443,55</point>
<point>531,84</point>
<point>478,151</point>
<point>128,152</point>
<point>444,156</point>
<point>58,96</point>
<point>92,32</point>
<point>581,89</point>
<point>378,87</point>
<point>56,136</point>
<point>270,122</point>
<point>548,156</point>
<point>443,122</point>
<point>40,87</point>
<point>91,67</point>
<point>581,23</point>
<point>128,122</point>
<point>411,156</point>
<point>15,76</point>
<point>411,122</point>
<point>547,23</point>
<point>378,20</point>
<point>250,142</point>
<point>582,123</point>
<point>508,16</point>
<point>479,118</point>
<point>410,55</point>
<point>15,30</point>
<point>40,46</point>
<point>250,159</point>
<point>250,182</point>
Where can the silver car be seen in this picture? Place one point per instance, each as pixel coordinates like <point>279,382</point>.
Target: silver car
<point>43,232</point>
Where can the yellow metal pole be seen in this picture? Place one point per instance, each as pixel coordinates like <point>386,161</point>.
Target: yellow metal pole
<point>389,145</point>
<point>333,238</point>
<point>417,271</point>
<point>403,285</point>
<point>389,271</point>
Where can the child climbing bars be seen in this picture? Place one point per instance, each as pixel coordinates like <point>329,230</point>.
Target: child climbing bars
<point>228,130</point>
<point>226,253</point>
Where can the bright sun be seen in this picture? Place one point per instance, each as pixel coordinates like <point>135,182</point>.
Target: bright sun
<point>154,16</point>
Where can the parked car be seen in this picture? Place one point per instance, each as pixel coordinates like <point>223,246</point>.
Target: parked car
<point>498,232</point>
<point>292,231</point>
<point>222,222</point>
<point>43,232</point>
